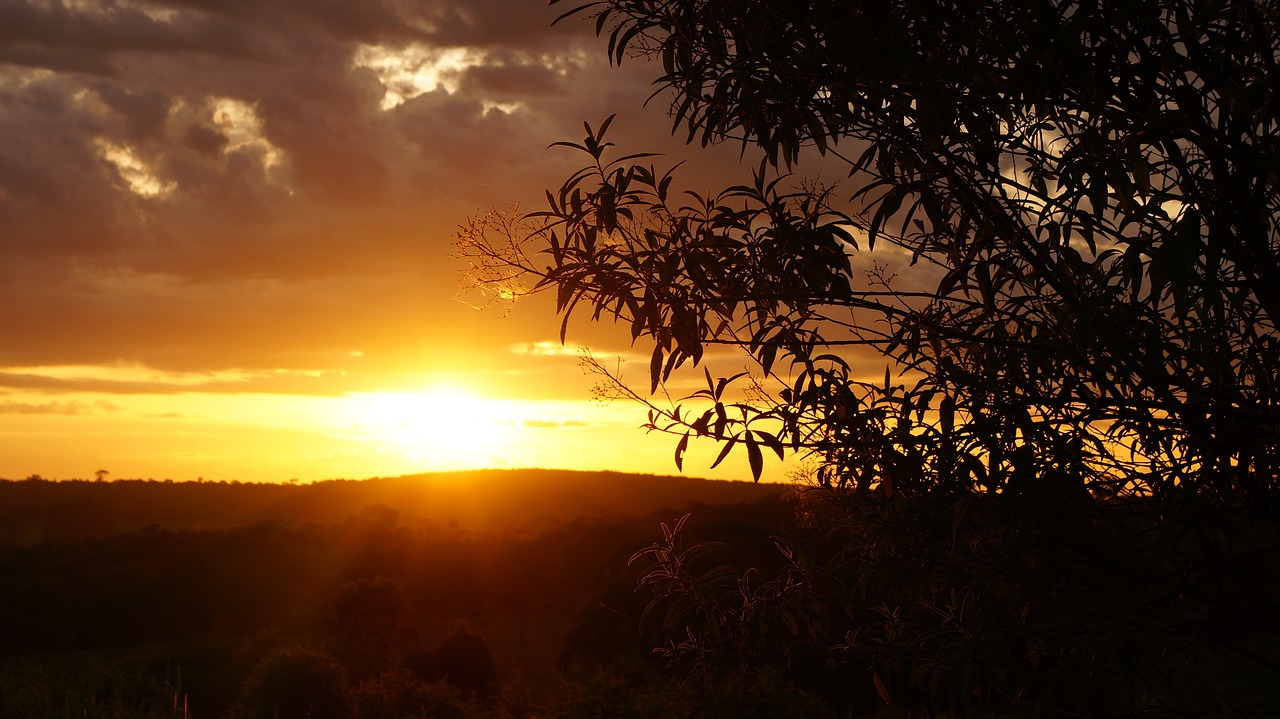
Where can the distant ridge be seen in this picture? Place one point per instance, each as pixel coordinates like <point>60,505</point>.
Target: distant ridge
<point>32,511</point>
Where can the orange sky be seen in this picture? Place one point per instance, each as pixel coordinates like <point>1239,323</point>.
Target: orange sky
<point>226,225</point>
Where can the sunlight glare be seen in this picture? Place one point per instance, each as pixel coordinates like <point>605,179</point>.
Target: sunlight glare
<point>444,427</point>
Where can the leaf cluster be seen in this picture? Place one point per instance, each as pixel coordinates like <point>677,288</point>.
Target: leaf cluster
<point>1087,195</point>
<point>1037,320</point>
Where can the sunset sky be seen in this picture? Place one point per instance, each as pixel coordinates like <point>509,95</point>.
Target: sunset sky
<point>226,228</point>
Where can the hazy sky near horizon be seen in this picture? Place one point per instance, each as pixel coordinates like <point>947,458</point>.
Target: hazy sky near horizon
<point>226,229</point>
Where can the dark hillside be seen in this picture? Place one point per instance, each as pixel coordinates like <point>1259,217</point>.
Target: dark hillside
<point>112,587</point>
<point>32,511</point>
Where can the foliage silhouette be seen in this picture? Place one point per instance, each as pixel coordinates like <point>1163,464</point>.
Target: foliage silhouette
<point>397,693</point>
<point>463,661</point>
<point>296,681</point>
<point>369,622</point>
<point>106,624</point>
<point>1057,242</point>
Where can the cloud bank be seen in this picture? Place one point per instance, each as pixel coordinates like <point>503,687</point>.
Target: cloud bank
<point>202,185</point>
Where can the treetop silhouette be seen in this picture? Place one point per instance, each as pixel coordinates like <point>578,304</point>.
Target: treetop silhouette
<point>1057,243</point>
<point>1087,195</point>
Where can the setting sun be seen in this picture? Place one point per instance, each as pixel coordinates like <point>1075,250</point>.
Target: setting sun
<point>239,263</point>
<point>442,427</point>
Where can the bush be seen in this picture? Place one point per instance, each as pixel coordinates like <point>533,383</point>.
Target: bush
<point>398,694</point>
<point>295,682</point>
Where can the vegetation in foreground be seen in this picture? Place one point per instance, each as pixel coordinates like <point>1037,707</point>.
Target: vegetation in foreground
<point>1027,345</point>
<point>370,615</point>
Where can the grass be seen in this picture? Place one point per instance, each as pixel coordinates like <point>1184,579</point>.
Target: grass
<point>118,685</point>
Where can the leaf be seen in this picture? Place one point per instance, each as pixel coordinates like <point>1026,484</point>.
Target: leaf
<point>772,442</point>
<point>728,446</point>
<point>768,353</point>
<point>788,618</point>
<point>655,369</point>
<point>754,457</point>
<point>724,382</point>
<point>574,11</point>
<point>886,208</point>
<point>680,450</point>
<point>881,689</point>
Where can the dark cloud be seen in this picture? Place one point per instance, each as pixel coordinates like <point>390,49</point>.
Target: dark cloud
<point>501,23</point>
<point>363,21</point>
<point>206,141</point>
<point>519,79</point>
<point>54,58</point>
<point>141,114</point>
<point>72,37</point>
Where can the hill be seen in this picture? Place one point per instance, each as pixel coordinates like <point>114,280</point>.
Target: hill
<point>124,595</point>
<point>35,510</point>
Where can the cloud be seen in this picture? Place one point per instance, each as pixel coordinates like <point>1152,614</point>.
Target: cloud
<point>546,349</point>
<point>80,36</point>
<point>60,408</point>
<point>195,185</point>
<point>554,424</point>
<point>284,382</point>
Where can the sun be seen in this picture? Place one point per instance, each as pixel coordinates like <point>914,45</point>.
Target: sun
<point>444,427</point>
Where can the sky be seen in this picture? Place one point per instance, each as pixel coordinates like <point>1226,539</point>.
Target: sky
<point>226,229</point>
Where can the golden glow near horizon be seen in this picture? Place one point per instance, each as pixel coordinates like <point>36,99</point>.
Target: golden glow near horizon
<point>444,427</point>
<point>230,238</point>
<point>189,431</point>
<point>448,427</point>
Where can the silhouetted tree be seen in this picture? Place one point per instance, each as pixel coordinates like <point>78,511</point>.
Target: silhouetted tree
<point>369,622</point>
<point>463,660</point>
<point>295,681</point>
<point>1057,242</point>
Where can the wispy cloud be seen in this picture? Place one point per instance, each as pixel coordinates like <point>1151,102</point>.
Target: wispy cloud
<point>285,382</point>
<point>554,423</point>
<point>60,408</point>
<point>545,349</point>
